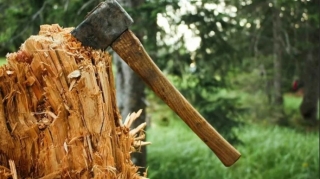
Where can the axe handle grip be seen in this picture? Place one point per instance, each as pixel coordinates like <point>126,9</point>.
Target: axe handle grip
<point>130,49</point>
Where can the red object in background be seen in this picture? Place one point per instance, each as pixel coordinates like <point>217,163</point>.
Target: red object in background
<point>295,85</point>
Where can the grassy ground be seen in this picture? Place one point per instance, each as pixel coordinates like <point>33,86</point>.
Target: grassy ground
<point>268,152</point>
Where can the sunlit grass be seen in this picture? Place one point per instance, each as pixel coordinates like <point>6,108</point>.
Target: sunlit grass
<point>268,152</point>
<point>2,60</point>
<point>292,102</point>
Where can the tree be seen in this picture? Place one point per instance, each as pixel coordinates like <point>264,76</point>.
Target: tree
<point>277,63</point>
<point>309,107</point>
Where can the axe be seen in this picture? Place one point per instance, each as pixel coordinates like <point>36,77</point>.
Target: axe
<point>107,25</point>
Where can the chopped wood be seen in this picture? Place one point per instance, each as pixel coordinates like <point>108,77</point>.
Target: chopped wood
<point>58,114</point>
<point>13,169</point>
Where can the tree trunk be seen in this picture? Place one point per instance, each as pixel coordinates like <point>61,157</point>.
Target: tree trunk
<point>277,65</point>
<point>277,61</point>
<point>58,114</point>
<point>131,90</point>
<point>309,106</point>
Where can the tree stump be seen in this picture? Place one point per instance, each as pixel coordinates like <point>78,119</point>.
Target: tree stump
<point>58,114</point>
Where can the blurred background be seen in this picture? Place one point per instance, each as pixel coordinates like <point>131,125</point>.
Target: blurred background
<point>250,67</point>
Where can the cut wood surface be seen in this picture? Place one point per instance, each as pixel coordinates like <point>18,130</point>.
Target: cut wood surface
<point>58,114</point>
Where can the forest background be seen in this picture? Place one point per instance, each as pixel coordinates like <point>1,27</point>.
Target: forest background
<point>250,67</point>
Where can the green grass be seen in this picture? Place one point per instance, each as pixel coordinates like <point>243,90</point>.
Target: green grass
<point>292,103</point>
<point>2,60</point>
<point>268,152</point>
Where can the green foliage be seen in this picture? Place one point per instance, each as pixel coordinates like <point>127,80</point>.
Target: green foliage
<point>20,19</point>
<point>297,37</point>
<point>267,152</point>
<point>215,51</point>
<point>221,111</point>
<point>211,61</point>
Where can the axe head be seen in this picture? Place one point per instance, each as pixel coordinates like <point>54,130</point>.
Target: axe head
<point>103,25</point>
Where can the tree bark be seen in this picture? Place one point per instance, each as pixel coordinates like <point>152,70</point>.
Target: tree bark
<point>277,61</point>
<point>58,114</point>
<point>309,108</point>
<point>309,105</point>
<point>277,66</point>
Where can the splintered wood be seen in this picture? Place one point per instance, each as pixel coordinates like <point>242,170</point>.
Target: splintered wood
<point>58,114</point>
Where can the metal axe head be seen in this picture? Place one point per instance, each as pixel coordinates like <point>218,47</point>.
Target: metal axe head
<point>103,25</point>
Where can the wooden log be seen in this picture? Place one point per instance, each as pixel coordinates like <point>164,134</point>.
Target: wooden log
<point>58,114</point>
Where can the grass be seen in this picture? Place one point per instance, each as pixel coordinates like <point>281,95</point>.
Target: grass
<point>2,60</point>
<point>268,152</point>
<point>292,102</point>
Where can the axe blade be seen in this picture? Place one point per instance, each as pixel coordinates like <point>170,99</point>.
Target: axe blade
<point>103,25</point>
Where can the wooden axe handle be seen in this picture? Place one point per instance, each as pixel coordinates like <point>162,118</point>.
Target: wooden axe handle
<point>129,48</point>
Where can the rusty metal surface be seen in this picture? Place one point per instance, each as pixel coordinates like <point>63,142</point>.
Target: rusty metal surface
<point>103,25</point>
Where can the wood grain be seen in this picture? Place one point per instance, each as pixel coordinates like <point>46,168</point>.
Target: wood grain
<point>57,125</point>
